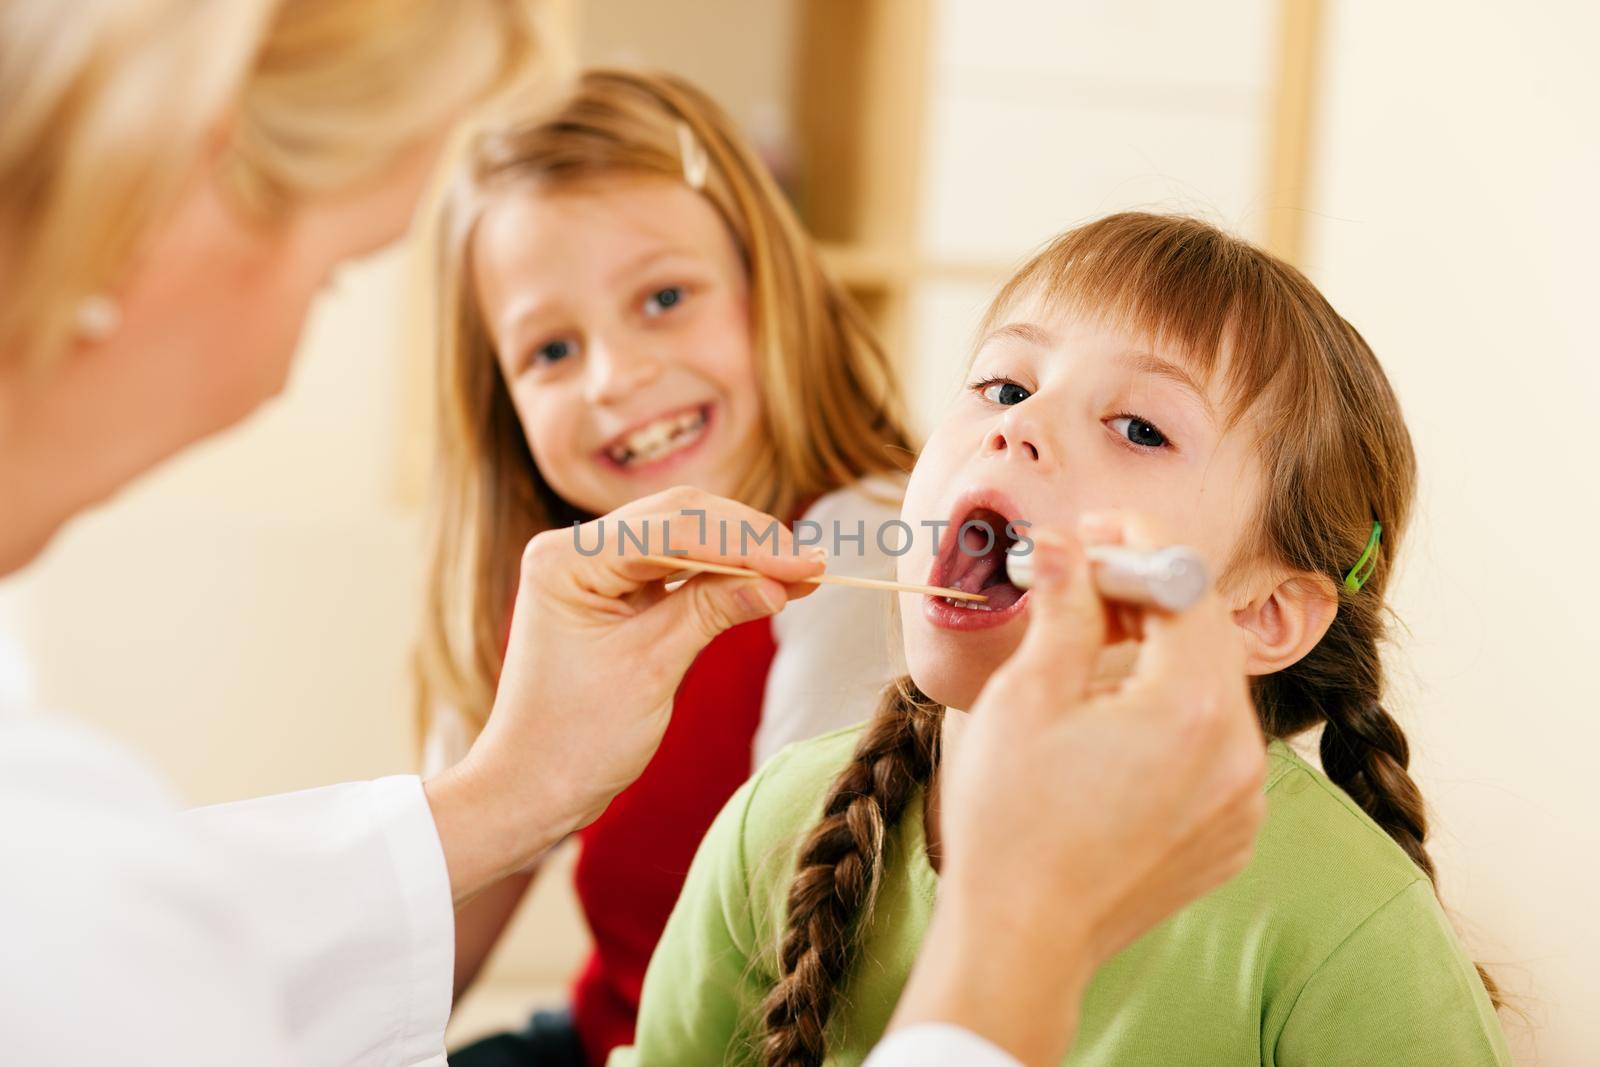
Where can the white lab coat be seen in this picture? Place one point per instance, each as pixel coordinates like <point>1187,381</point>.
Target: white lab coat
<point>311,929</point>
<point>308,929</point>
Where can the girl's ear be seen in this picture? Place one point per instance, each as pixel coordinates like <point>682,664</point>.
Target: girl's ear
<point>1286,622</point>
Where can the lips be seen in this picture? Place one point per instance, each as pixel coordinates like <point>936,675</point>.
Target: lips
<point>972,558</point>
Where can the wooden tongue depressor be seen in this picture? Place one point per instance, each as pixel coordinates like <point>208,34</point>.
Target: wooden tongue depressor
<point>1171,578</point>
<point>821,579</point>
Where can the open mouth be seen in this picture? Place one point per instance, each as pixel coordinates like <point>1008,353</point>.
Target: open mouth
<point>973,560</point>
<point>659,439</point>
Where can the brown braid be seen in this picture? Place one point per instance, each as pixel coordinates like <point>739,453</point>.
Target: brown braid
<point>1364,751</point>
<point>840,866</point>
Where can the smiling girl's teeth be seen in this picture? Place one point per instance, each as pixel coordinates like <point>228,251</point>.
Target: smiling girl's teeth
<point>658,439</point>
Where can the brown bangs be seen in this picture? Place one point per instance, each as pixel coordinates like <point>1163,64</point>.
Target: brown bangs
<point>1221,304</point>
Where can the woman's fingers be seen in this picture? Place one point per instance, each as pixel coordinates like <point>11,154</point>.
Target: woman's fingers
<point>1105,528</point>
<point>1199,637</point>
<point>1113,667</point>
<point>598,647</point>
<point>695,524</point>
<point>1190,664</point>
<point>681,624</point>
<point>1066,619</point>
<point>609,571</point>
<point>607,554</point>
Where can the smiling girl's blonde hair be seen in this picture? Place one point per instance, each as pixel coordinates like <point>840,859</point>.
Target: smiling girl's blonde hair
<point>1337,457</point>
<point>830,400</point>
<point>105,108</point>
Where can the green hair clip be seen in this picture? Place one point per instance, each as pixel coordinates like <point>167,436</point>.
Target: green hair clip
<point>1367,563</point>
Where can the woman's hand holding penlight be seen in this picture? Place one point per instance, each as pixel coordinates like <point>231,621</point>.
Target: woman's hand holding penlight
<point>1077,815</point>
<point>597,650</point>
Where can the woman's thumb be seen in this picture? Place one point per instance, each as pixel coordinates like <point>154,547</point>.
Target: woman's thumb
<point>687,620</point>
<point>1066,617</point>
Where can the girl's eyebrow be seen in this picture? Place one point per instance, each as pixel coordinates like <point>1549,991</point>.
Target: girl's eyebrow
<point>1023,331</point>
<point>1136,360</point>
<point>644,261</point>
<point>523,317</point>
<point>1142,362</point>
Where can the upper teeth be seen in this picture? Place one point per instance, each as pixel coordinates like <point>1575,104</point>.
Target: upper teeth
<point>658,439</point>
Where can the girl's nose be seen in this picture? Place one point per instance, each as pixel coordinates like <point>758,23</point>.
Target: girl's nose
<point>1019,438</point>
<point>616,371</point>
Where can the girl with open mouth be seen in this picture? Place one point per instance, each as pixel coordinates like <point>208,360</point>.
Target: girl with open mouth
<point>1159,367</point>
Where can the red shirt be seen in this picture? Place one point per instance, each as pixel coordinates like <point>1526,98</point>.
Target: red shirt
<point>634,858</point>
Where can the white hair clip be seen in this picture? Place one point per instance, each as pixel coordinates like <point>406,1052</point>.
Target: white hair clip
<point>693,154</point>
<point>96,318</point>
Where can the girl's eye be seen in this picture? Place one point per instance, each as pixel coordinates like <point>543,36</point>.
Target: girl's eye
<point>664,299</point>
<point>1138,431</point>
<point>1003,393</point>
<point>552,352</point>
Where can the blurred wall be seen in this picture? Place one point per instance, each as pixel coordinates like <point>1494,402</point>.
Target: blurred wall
<point>741,53</point>
<point>1159,105</point>
<point>242,615</point>
<point>1455,226</point>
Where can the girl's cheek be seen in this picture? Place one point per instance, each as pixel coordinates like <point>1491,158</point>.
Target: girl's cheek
<point>741,360</point>
<point>727,331</point>
<point>552,434</point>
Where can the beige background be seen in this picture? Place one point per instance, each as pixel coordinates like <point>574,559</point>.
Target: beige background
<point>243,616</point>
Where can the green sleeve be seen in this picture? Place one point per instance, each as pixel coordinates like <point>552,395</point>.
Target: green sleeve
<point>1399,989</point>
<point>702,990</point>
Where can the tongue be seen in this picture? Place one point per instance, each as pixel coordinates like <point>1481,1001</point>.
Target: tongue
<point>979,572</point>
<point>986,574</point>
<point>1001,596</point>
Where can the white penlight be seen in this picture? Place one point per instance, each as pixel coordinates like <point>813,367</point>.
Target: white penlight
<point>1171,578</point>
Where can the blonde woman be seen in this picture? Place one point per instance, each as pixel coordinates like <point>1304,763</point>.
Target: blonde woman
<point>176,181</point>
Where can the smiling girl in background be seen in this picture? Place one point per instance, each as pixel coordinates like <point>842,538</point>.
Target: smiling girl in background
<point>628,304</point>
<point>1160,366</point>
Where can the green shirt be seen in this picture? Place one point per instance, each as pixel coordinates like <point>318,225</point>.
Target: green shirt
<point>1330,948</point>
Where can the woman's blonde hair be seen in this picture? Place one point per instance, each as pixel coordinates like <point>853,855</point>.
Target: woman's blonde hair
<point>105,107</point>
<point>831,404</point>
<point>1337,458</point>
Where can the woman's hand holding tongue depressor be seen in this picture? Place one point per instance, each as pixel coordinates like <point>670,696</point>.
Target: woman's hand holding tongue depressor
<point>597,650</point>
<point>1076,813</point>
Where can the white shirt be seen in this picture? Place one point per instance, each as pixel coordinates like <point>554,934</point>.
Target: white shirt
<point>939,1045</point>
<point>839,648</point>
<point>311,929</point>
